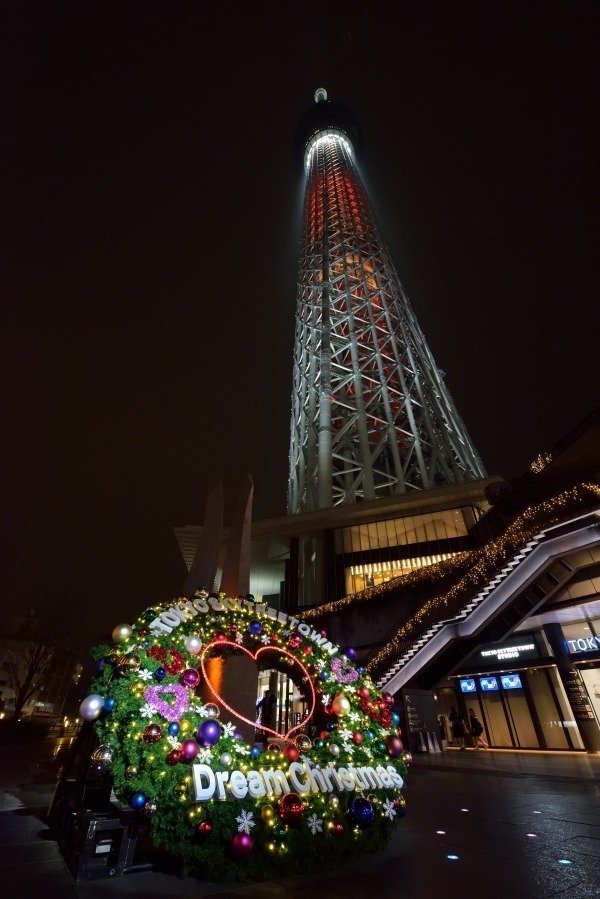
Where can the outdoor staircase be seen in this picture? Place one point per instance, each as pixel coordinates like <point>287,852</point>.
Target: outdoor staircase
<point>464,613</point>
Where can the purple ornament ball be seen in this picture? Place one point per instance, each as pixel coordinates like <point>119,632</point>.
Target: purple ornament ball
<point>188,750</point>
<point>241,845</point>
<point>209,733</point>
<point>394,746</point>
<point>190,677</point>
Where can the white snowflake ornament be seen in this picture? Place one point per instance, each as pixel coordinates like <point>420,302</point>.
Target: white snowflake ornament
<point>245,821</point>
<point>315,824</point>
<point>388,809</point>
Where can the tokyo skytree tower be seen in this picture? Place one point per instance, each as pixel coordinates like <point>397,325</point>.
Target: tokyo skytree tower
<point>371,415</point>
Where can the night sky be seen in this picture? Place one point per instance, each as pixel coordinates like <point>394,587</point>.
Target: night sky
<point>151,219</point>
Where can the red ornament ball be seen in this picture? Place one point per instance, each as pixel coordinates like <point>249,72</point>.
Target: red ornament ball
<point>307,650</point>
<point>357,737</point>
<point>388,699</point>
<point>364,692</point>
<point>291,809</point>
<point>241,845</point>
<point>152,733</point>
<point>274,638</point>
<point>173,757</point>
<point>291,752</point>
<point>204,829</point>
<point>220,638</point>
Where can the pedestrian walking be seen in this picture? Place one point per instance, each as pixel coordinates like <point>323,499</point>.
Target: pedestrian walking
<point>477,730</point>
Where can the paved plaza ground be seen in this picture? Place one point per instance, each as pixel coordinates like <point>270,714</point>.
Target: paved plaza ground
<point>479,824</point>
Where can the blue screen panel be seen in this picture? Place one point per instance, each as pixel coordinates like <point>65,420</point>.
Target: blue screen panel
<point>488,683</point>
<point>468,685</point>
<point>511,682</point>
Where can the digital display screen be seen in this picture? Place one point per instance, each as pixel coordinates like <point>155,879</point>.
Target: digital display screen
<point>468,685</point>
<point>488,683</point>
<point>511,682</point>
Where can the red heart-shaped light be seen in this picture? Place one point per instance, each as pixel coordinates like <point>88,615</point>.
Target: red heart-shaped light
<point>254,656</point>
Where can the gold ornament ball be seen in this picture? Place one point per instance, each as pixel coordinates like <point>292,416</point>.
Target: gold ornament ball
<point>184,727</point>
<point>267,814</point>
<point>126,664</point>
<point>180,791</point>
<point>130,772</point>
<point>303,742</point>
<point>334,801</point>
<point>340,705</point>
<point>122,632</point>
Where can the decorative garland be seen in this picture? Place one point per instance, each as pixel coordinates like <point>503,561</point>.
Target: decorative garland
<point>302,803</point>
<point>487,560</point>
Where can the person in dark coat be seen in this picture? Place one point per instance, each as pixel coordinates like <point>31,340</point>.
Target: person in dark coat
<point>459,728</point>
<point>267,708</point>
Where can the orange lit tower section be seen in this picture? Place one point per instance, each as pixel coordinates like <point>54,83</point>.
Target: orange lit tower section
<point>371,415</point>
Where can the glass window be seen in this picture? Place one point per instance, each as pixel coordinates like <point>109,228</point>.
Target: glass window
<point>495,719</point>
<point>522,725</point>
<point>382,534</point>
<point>550,718</point>
<point>429,527</point>
<point>591,680</point>
<point>579,630</point>
<point>441,532</point>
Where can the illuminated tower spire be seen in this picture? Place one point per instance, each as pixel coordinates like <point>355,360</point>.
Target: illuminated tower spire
<point>371,415</point>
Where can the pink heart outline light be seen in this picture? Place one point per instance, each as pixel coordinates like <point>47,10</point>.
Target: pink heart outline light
<point>238,648</point>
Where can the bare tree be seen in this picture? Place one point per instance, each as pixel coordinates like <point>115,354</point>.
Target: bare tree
<point>34,647</point>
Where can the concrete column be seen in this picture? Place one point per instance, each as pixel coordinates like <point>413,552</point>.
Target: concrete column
<point>204,567</point>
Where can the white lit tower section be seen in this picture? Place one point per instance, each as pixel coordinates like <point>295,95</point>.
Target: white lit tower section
<point>371,415</point>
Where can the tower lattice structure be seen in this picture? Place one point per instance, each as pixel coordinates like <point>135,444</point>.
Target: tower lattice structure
<point>371,415</point>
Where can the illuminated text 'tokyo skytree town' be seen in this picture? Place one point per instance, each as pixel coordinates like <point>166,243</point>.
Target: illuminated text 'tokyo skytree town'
<point>371,415</point>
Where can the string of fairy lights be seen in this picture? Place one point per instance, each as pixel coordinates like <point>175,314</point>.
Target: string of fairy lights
<point>412,579</point>
<point>485,562</point>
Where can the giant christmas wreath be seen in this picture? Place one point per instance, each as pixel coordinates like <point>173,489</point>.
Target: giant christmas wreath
<point>228,809</point>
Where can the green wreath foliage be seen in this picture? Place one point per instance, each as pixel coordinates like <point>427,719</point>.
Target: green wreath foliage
<point>140,769</point>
